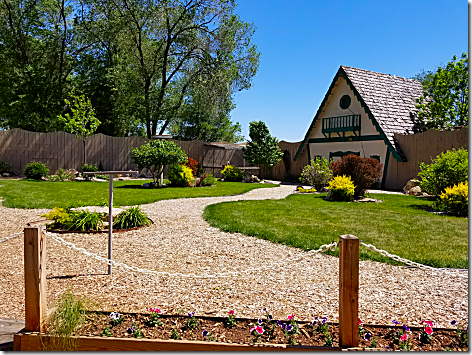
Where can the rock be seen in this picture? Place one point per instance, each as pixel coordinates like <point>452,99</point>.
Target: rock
<point>410,184</point>
<point>329,196</point>
<point>5,175</point>
<point>368,199</point>
<point>72,171</point>
<point>415,190</point>
<point>248,177</point>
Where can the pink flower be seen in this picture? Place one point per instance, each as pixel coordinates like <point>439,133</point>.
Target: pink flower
<point>428,322</point>
<point>151,309</point>
<point>359,322</point>
<point>259,329</point>
<point>428,330</point>
<point>404,337</point>
<point>157,310</point>
<point>291,317</point>
<point>231,312</point>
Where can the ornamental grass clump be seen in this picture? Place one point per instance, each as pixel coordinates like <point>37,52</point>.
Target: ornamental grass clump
<point>132,217</point>
<point>455,200</point>
<point>84,220</point>
<point>341,188</point>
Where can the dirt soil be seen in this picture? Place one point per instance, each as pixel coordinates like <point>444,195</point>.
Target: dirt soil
<point>442,339</point>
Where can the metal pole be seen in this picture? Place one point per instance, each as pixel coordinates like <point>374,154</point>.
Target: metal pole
<point>110,219</point>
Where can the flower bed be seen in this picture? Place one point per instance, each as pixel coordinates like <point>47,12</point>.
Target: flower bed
<point>266,331</point>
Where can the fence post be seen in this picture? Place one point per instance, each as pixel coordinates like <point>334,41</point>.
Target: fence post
<point>35,279</point>
<point>348,290</point>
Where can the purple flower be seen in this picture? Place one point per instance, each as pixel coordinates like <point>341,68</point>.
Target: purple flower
<point>367,336</point>
<point>323,320</point>
<point>259,321</point>
<point>205,333</point>
<point>191,314</point>
<point>283,325</point>
<point>279,323</point>
<point>264,310</point>
<point>406,328</point>
<point>396,323</point>
<point>131,329</point>
<point>454,322</point>
<point>289,328</point>
<point>270,317</point>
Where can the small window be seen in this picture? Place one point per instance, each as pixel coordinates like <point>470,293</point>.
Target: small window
<point>345,102</point>
<point>335,156</point>
<point>376,157</point>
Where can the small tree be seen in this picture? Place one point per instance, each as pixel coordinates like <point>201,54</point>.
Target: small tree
<point>155,155</point>
<point>317,174</point>
<point>263,149</point>
<point>82,122</point>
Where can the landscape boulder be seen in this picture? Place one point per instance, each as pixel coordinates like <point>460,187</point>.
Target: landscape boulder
<point>5,175</point>
<point>248,177</point>
<point>410,185</point>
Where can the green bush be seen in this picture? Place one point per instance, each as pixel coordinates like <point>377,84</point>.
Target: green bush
<point>455,200</point>
<point>208,180</point>
<point>342,188</point>
<point>232,173</point>
<point>59,216</point>
<point>83,220</point>
<point>317,174</point>
<point>131,218</point>
<point>36,170</point>
<point>180,175</point>
<point>448,169</point>
<point>4,167</point>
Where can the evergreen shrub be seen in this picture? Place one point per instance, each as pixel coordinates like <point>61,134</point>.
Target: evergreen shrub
<point>36,170</point>
<point>232,173</point>
<point>180,175</point>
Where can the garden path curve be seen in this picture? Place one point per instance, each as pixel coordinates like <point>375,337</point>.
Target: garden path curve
<point>182,241</point>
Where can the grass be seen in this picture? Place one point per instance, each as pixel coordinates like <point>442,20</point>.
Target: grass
<point>399,225</point>
<point>49,194</point>
<point>67,317</point>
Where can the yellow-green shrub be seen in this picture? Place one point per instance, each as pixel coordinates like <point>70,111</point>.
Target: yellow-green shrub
<point>455,199</point>
<point>232,173</point>
<point>60,217</point>
<point>180,175</point>
<point>342,188</point>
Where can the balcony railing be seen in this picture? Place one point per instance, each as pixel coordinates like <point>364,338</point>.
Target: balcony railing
<point>348,123</point>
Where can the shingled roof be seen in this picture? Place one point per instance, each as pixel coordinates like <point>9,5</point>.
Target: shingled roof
<point>388,100</point>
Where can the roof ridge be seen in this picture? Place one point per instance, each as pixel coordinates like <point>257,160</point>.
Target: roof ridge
<point>374,72</point>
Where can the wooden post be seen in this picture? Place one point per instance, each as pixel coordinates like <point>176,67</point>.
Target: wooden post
<point>35,279</point>
<point>348,290</point>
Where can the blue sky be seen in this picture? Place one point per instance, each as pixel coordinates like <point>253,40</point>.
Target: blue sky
<point>303,43</point>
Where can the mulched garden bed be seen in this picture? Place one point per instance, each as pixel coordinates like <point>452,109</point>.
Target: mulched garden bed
<point>99,323</point>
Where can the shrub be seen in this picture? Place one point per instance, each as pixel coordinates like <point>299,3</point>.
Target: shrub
<point>59,216</point>
<point>131,218</point>
<point>180,175</point>
<point>363,171</point>
<point>200,170</point>
<point>317,174</point>
<point>36,170</point>
<point>192,164</point>
<point>208,180</point>
<point>455,199</point>
<point>4,167</point>
<point>342,188</point>
<point>232,173</point>
<point>63,175</point>
<point>89,168</point>
<point>448,169</point>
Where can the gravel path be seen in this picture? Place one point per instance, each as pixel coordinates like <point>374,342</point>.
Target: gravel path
<point>181,241</point>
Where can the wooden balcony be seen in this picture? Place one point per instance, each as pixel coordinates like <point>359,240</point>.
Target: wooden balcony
<point>341,124</point>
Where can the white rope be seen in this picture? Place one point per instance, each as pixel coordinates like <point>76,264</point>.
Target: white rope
<point>323,248</point>
<point>409,262</point>
<point>11,237</point>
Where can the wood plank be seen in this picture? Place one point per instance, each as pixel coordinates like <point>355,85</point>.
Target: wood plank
<point>348,290</point>
<point>33,341</point>
<point>35,278</point>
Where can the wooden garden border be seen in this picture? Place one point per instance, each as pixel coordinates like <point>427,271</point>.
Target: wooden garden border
<point>33,337</point>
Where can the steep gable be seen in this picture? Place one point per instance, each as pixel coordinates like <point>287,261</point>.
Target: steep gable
<point>388,100</point>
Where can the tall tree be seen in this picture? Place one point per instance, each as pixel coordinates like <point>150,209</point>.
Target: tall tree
<point>445,100</point>
<point>38,52</point>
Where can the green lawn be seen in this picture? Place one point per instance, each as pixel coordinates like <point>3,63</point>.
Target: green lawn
<point>48,194</point>
<point>398,225</point>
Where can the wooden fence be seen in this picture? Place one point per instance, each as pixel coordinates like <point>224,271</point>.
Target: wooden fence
<point>421,147</point>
